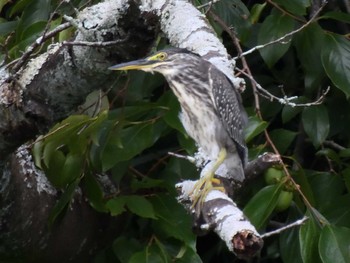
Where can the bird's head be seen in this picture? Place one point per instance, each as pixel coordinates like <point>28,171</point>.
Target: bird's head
<point>164,61</point>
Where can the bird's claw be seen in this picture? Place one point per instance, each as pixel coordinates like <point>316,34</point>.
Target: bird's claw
<point>202,188</point>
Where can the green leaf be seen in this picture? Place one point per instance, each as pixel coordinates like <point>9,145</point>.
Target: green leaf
<point>275,26</point>
<point>254,127</point>
<point>256,12</point>
<point>344,153</point>
<point>146,256</point>
<point>326,182</point>
<point>92,128</point>
<point>71,170</point>
<point>35,11</point>
<point>309,45</point>
<point>145,183</point>
<point>337,211</point>
<point>235,13</point>
<point>334,244</point>
<point>171,115</point>
<point>346,175</point>
<point>94,193</point>
<point>69,127</point>
<point>308,237</point>
<point>189,255</point>
<point>7,27</point>
<point>261,206</point>
<point>289,112</point>
<point>134,140</point>
<point>336,15</point>
<point>140,206</point>
<point>125,247</point>
<point>289,239</point>
<point>316,123</point>
<point>336,61</point>
<point>63,202</point>
<point>49,151</point>
<point>297,7</point>
<point>282,139</point>
<point>3,3</point>
<point>116,205</point>
<point>300,177</point>
<point>53,171</point>
<point>173,221</point>
<point>329,153</point>
<point>38,151</point>
<point>31,33</point>
<point>18,7</point>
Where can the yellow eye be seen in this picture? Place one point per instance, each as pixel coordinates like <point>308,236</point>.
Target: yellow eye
<point>162,56</point>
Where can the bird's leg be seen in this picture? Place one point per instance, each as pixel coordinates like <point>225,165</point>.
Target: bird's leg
<point>206,181</point>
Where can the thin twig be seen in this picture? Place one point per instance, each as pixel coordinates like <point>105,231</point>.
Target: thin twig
<point>280,230</point>
<point>284,11</point>
<point>75,24</point>
<point>285,100</point>
<point>39,41</point>
<point>208,4</point>
<point>180,156</point>
<point>281,39</point>
<point>334,145</point>
<point>94,44</point>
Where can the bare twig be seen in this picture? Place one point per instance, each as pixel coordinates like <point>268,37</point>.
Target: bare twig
<point>280,230</point>
<point>208,4</point>
<point>20,61</point>
<point>334,145</point>
<point>95,44</point>
<point>284,11</point>
<point>4,48</point>
<point>39,41</point>
<point>74,23</point>
<point>285,100</point>
<point>180,156</point>
<point>283,38</point>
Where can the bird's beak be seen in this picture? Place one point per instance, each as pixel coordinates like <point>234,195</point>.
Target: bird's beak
<point>136,64</point>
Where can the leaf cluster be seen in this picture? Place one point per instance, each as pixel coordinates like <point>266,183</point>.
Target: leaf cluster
<point>313,140</point>
<point>122,149</point>
<point>126,142</point>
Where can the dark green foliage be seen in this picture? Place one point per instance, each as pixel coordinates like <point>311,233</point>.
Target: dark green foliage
<point>129,141</point>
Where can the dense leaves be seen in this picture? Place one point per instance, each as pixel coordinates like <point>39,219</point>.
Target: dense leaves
<point>336,61</point>
<point>117,152</point>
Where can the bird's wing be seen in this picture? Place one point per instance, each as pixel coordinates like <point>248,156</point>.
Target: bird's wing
<point>229,106</point>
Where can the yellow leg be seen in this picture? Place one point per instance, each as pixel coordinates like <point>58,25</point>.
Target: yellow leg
<point>205,183</point>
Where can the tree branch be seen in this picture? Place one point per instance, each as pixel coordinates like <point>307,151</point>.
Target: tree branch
<point>283,38</point>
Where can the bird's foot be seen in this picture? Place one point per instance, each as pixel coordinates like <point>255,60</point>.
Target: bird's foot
<point>207,181</point>
<point>201,189</point>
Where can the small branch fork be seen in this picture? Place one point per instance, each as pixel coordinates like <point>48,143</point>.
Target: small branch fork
<point>285,100</point>
<point>257,88</point>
